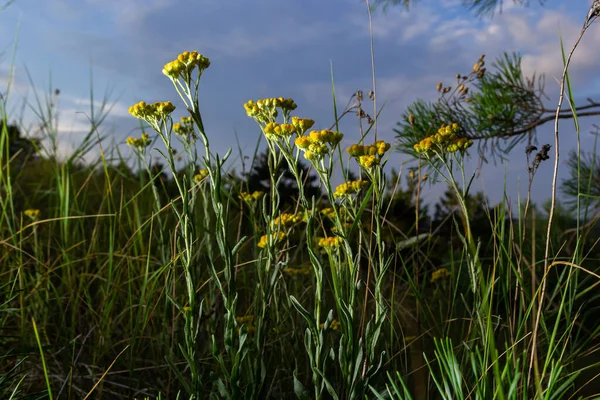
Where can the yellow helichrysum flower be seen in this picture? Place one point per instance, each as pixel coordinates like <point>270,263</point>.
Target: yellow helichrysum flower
<point>330,242</point>
<point>306,270</point>
<point>274,131</point>
<point>245,319</point>
<point>201,175</point>
<point>139,143</point>
<point>250,197</point>
<point>32,213</point>
<point>440,273</point>
<point>264,240</point>
<point>334,325</point>
<point>369,156</point>
<point>152,113</point>
<point>302,124</point>
<point>326,136</point>
<point>329,212</point>
<point>303,142</point>
<point>287,219</point>
<point>265,110</point>
<point>368,161</point>
<point>185,63</point>
<point>444,141</point>
<point>350,187</point>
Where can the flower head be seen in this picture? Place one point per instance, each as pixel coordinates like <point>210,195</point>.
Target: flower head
<point>152,113</point>
<point>287,219</point>
<point>330,243</point>
<point>265,110</point>
<point>184,64</point>
<point>318,143</point>
<point>251,197</point>
<point>275,131</point>
<point>302,124</point>
<point>32,213</point>
<point>444,141</point>
<point>350,188</point>
<point>139,143</point>
<point>201,175</point>
<point>264,240</point>
<point>440,273</point>
<point>369,156</point>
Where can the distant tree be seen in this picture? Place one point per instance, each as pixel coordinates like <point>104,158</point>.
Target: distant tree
<point>20,149</point>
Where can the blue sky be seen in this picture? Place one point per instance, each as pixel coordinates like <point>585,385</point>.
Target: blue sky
<point>267,48</point>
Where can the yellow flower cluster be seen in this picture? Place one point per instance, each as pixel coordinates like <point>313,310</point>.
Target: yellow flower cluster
<point>139,143</point>
<point>152,112</point>
<point>335,325</point>
<point>440,273</point>
<point>306,270</point>
<point>318,143</point>
<point>287,219</point>
<point>331,242</point>
<point>185,64</point>
<point>349,188</point>
<point>328,212</point>
<point>369,156</point>
<point>274,131</point>
<point>32,213</point>
<point>445,140</point>
<point>250,197</point>
<point>302,124</point>
<point>264,240</point>
<point>201,175</point>
<point>185,127</point>
<point>247,320</point>
<point>267,107</point>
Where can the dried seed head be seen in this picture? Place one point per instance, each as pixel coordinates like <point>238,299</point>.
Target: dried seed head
<point>411,120</point>
<point>371,95</point>
<point>439,86</point>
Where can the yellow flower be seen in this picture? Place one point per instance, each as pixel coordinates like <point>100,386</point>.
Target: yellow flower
<point>139,143</point>
<point>440,273</point>
<point>306,270</point>
<point>369,156</point>
<point>444,141</point>
<point>303,142</point>
<point>326,136</point>
<point>184,64</point>
<point>330,242</point>
<point>329,212</point>
<point>367,161</point>
<point>334,325</point>
<point>350,187</point>
<point>201,175</point>
<point>32,213</point>
<point>250,197</point>
<point>302,124</point>
<point>265,110</point>
<point>286,219</point>
<point>152,113</point>
<point>274,131</point>
<point>264,240</point>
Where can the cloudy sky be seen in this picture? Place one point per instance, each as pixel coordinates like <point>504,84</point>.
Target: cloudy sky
<point>267,48</point>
